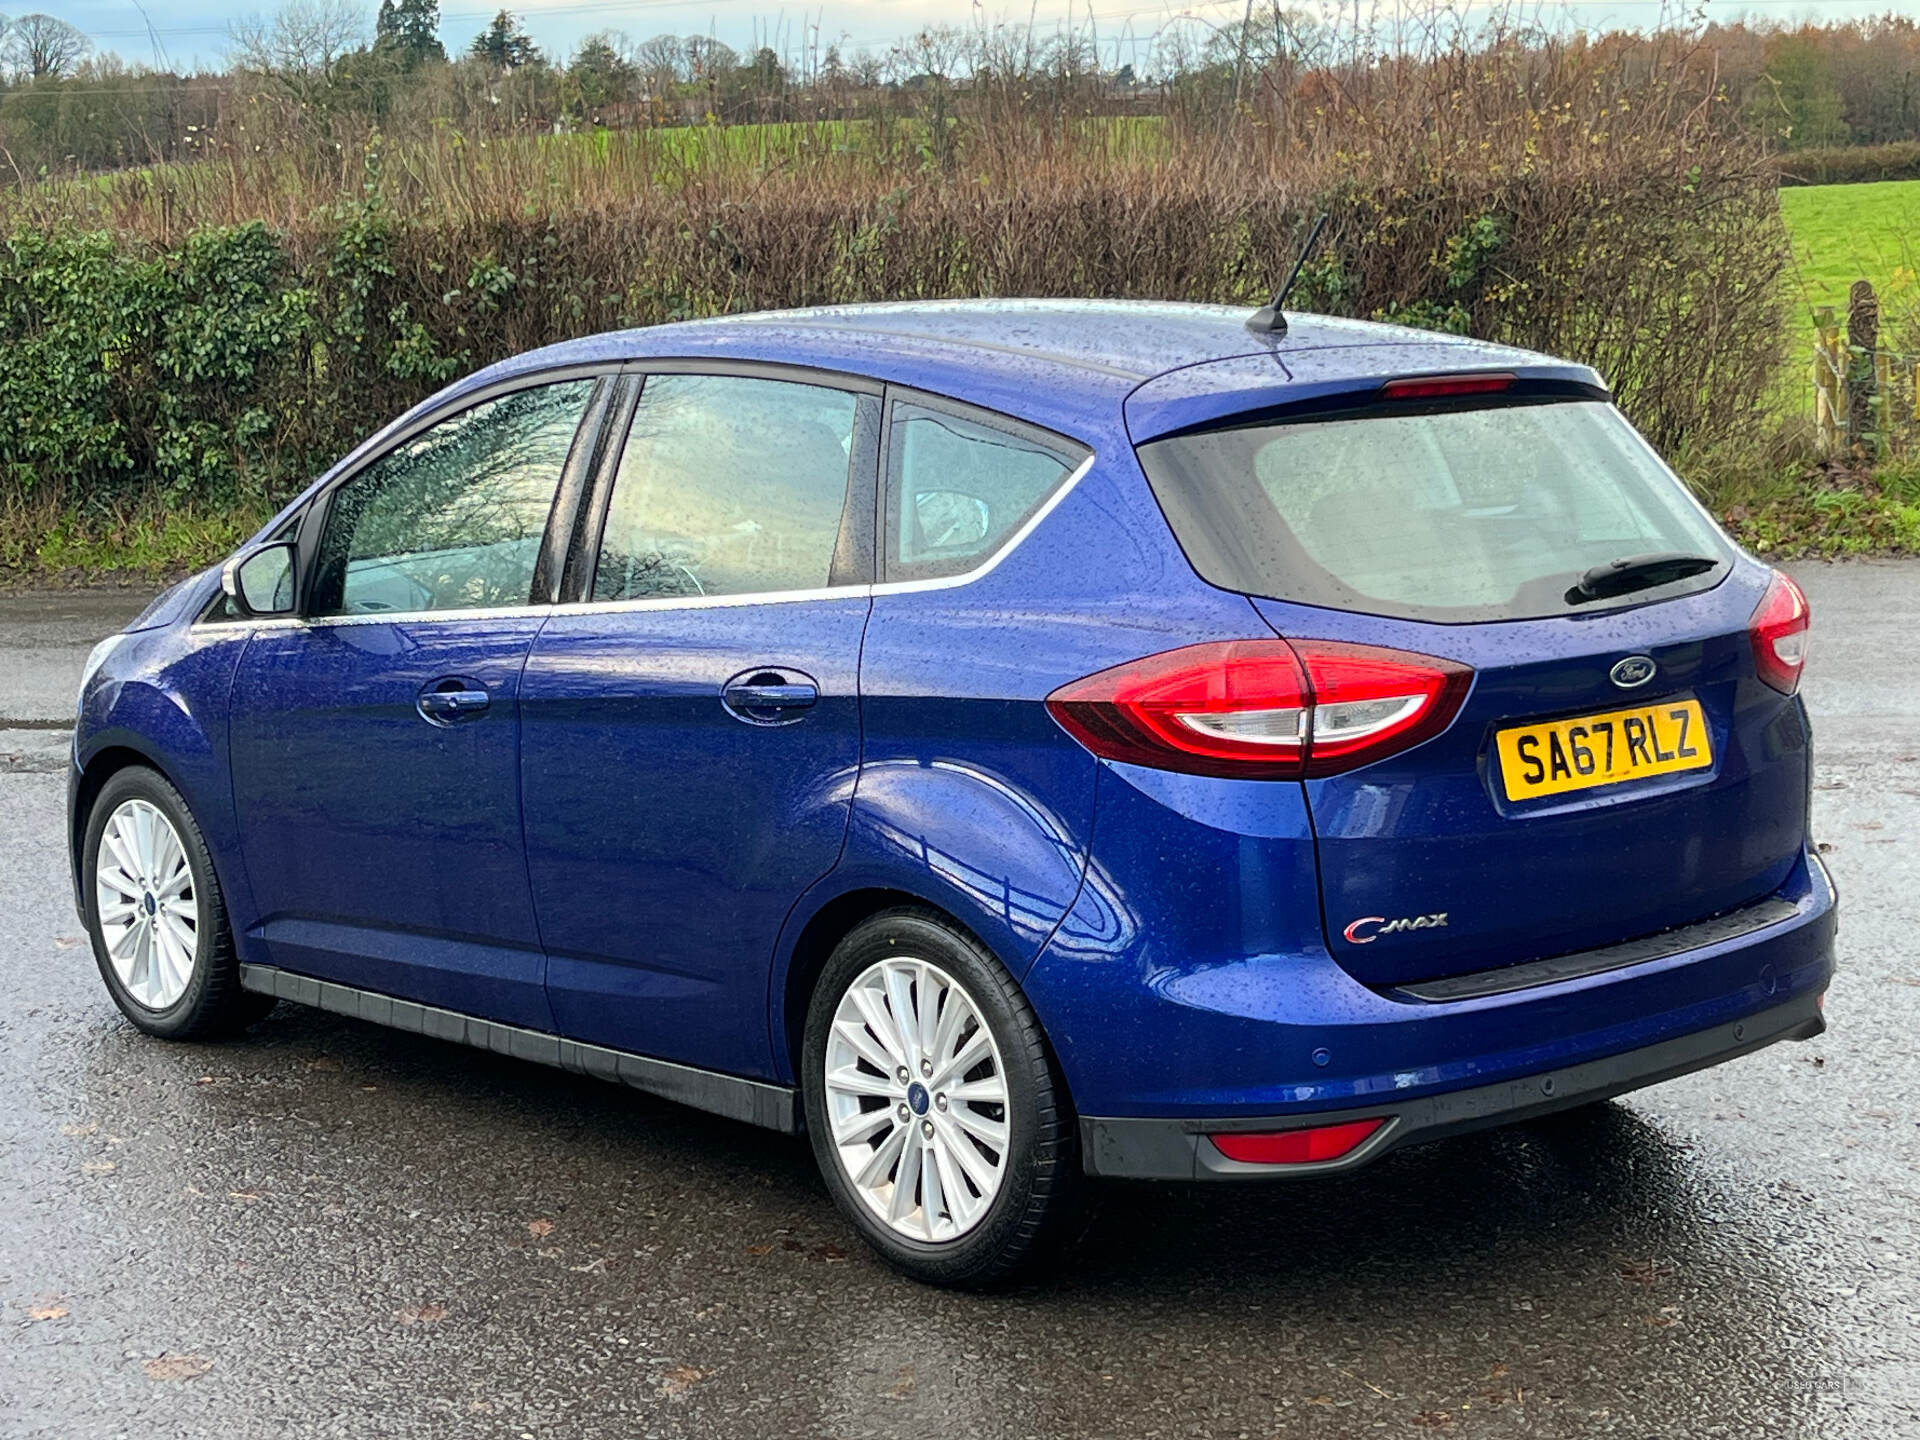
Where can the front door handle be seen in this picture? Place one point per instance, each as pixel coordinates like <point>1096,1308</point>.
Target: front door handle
<point>449,701</point>
<point>769,697</point>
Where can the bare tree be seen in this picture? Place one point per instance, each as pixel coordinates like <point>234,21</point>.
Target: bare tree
<point>1270,34</point>
<point>934,56</point>
<point>40,47</point>
<point>661,61</point>
<point>1071,56</point>
<point>709,59</point>
<point>302,45</point>
<point>867,69</point>
<point>1180,48</point>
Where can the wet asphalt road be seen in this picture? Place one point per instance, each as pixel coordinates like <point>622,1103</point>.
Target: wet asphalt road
<point>330,1229</point>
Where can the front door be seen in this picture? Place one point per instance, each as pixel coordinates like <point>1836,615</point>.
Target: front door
<point>375,741</point>
<point>691,729</point>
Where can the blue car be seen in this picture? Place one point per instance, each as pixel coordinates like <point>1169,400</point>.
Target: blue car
<point>1008,742</point>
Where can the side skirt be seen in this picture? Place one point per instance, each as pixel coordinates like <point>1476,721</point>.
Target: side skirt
<point>756,1102</point>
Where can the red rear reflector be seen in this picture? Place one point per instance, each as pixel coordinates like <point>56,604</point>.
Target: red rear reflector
<point>1296,1147</point>
<point>1779,634</point>
<point>1263,709</point>
<point>1435,386</point>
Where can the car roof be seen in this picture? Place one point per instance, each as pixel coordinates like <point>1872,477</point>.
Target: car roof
<point>1055,363</point>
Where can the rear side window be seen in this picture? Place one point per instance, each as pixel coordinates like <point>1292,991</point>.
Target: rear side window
<point>729,485</point>
<point>1449,515</point>
<point>958,488</point>
<point>453,518</point>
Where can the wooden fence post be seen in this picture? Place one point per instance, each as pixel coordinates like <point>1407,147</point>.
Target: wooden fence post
<point>1829,381</point>
<point>1887,421</point>
<point>1863,350</point>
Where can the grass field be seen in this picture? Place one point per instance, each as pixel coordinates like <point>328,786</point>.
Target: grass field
<point>1844,233</point>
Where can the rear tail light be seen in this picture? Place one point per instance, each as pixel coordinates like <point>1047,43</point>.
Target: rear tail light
<point>1297,1147</point>
<point>1263,709</point>
<point>1779,634</point>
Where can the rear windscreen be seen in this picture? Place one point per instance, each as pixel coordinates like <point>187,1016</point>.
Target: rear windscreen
<point>1452,514</point>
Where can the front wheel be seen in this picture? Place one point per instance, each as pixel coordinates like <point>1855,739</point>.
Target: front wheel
<point>156,916</point>
<point>933,1105</point>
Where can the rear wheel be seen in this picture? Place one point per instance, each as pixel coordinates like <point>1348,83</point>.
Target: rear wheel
<point>933,1105</point>
<point>155,913</point>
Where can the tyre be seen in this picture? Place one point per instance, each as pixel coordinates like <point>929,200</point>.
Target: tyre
<point>936,1114</point>
<point>155,914</point>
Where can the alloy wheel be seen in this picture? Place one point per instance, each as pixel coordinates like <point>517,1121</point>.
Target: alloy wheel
<point>916,1096</point>
<point>144,896</point>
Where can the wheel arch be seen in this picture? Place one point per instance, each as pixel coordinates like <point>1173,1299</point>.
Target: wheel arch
<point>151,728</point>
<point>89,779</point>
<point>990,859</point>
<point>830,923</point>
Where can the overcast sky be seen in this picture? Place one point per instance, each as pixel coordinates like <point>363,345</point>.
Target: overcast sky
<point>181,34</point>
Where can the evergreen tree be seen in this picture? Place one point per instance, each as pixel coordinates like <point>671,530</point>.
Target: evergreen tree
<point>603,76</point>
<point>504,45</point>
<point>765,75</point>
<point>410,31</point>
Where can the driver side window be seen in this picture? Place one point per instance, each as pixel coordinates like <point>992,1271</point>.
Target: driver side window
<point>729,485</point>
<point>453,518</point>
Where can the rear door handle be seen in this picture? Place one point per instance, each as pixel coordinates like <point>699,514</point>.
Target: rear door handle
<point>769,697</point>
<point>449,701</point>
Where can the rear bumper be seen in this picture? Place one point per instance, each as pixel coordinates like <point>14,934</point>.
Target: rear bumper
<point>1158,1149</point>
<point>1160,1047</point>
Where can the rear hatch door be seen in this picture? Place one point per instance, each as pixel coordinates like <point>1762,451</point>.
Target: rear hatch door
<point>1648,779</point>
<point>1428,868</point>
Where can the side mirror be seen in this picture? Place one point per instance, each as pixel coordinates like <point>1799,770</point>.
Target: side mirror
<point>259,581</point>
<point>950,520</point>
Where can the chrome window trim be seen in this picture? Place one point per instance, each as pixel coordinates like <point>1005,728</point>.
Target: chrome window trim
<point>1039,437</point>
<point>1007,547</point>
<point>596,607</point>
<point>408,617</point>
<point>687,602</point>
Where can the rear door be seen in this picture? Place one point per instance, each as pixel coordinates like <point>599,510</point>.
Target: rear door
<point>692,723</point>
<point>1649,778</point>
<point>374,742</point>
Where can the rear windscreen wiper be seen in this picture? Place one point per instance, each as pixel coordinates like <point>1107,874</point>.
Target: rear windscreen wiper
<point>1636,572</point>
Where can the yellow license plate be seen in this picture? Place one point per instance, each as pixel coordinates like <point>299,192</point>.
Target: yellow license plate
<point>1560,755</point>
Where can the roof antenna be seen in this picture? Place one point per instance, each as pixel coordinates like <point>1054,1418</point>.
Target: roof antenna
<point>1267,319</point>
